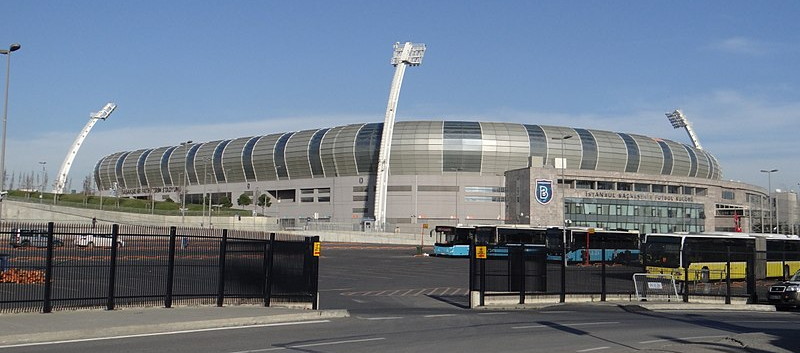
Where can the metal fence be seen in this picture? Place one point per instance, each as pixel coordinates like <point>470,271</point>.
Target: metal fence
<point>525,270</point>
<point>718,275</point>
<point>45,267</point>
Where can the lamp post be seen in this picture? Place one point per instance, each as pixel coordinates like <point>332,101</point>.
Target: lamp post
<point>44,181</point>
<point>11,48</point>
<point>185,176</point>
<point>563,197</point>
<point>769,195</point>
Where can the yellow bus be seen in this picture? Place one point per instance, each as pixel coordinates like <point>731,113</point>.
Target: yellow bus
<point>706,254</point>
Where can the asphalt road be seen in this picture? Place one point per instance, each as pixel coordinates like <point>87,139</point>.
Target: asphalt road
<point>402,303</point>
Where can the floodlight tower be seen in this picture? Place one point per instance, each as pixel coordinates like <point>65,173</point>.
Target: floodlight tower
<point>406,54</point>
<point>678,120</point>
<point>61,177</point>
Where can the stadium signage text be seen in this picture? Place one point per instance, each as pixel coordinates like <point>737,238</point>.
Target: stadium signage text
<point>624,195</point>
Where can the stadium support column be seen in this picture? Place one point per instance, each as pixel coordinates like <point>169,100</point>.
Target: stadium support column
<point>61,177</point>
<point>406,54</point>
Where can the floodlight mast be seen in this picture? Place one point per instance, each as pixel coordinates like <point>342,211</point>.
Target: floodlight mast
<point>405,54</point>
<point>61,178</point>
<point>678,120</point>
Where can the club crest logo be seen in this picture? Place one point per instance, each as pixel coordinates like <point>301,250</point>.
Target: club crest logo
<point>544,191</point>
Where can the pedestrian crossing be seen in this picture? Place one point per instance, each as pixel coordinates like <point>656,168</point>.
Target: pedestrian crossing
<point>412,292</point>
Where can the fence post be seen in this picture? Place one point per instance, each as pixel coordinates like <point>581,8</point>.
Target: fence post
<point>223,248</point>
<point>602,268</point>
<point>685,289</point>
<point>483,281</point>
<point>751,277</point>
<point>522,274</point>
<point>728,277</point>
<point>170,267</point>
<point>314,274</point>
<point>112,271</point>
<point>563,295</point>
<point>48,271</point>
<point>270,255</point>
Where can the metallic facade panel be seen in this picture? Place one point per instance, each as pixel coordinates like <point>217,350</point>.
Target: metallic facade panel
<point>505,147</point>
<point>538,141</point>
<point>462,146</point>
<point>232,160</point>
<point>681,161</point>
<point>298,162</point>
<point>326,151</point>
<point>344,150</point>
<point>130,170</point>
<point>632,166</point>
<point>416,148</point>
<point>612,151</point>
<point>264,158</point>
<point>651,158</point>
<point>572,148</point>
<point>368,143</point>
<point>203,166</point>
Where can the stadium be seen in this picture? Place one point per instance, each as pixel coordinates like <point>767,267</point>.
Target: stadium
<point>450,172</point>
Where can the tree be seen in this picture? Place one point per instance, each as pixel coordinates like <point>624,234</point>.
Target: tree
<point>264,201</point>
<point>244,200</point>
<point>225,202</point>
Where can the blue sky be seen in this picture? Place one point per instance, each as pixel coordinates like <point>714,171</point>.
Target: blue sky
<point>208,70</point>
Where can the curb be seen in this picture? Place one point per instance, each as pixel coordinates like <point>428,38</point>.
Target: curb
<point>169,327</point>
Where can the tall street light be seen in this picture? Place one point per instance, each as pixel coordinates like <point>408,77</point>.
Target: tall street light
<point>185,146</point>
<point>563,197</point>
<point>12,48</point>
<point>769,196</point>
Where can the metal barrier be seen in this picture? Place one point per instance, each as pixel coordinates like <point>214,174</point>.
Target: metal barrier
<point>51,267</point>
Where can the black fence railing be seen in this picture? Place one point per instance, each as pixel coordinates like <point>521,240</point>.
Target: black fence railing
<point>719,275</point>
<point>525,270</point>
<point>45,267</point>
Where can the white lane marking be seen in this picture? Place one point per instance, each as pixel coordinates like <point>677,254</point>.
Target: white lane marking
<point>382,318</point>
<point>680,339</point>
<point>312,345</point>
<point>556,312</point>
<point>163,333</point>
<point>568,325</point>
<point>763,322</point>
<point>440,315</point>
<point>592,349</point>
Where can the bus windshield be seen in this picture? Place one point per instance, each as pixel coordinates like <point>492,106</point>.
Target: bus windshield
<point>662,251</point>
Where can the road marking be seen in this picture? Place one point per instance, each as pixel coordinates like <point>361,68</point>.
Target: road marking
<point>592,349</point>
<point>163,333</point>
<point>440,315</point>
<point>382,318</point>
<point>312,345</point>
<point>680,339</point>
<point>500,313</point>
<point>556,312</point>
<point>568,325</point>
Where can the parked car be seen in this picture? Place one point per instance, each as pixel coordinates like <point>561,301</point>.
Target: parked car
<point>786,294</point>
<point>32,237</point>
<point>101,240</point>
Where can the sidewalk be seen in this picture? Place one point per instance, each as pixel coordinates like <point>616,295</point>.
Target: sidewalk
<point>85,324</point>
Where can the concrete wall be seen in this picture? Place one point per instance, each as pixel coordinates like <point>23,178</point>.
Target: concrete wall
<point>35,212</point>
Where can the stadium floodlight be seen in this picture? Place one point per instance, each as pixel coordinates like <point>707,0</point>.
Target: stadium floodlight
<point>678,120</point>
<point>406,54</point>
<point>61,177</point>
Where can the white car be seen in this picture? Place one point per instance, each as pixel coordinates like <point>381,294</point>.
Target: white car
<point>101,240</point>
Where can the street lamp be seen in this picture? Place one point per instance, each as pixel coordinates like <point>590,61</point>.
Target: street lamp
<point>769,196</point>
<point>563,196</point>
<point>185,176</point>
<point>12,48</point>
<point>44,181</point>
